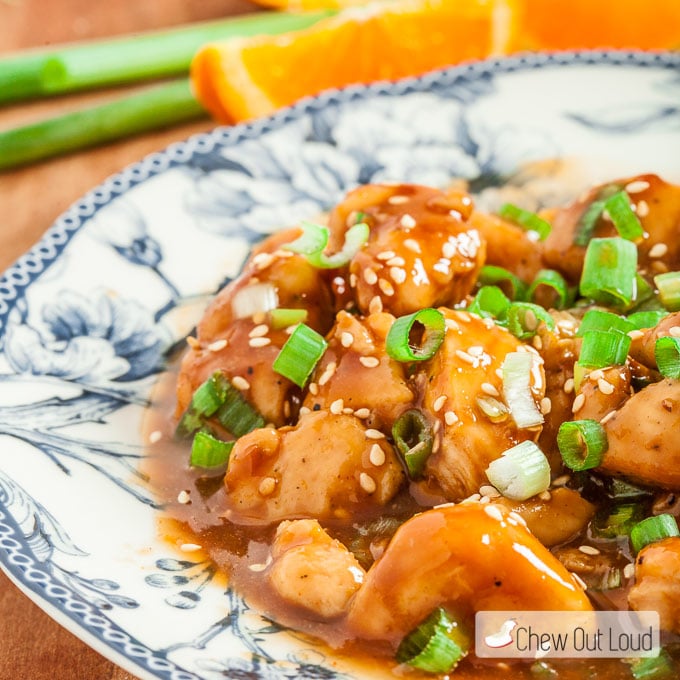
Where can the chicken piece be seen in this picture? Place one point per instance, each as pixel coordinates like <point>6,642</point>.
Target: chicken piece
<point>356,370</point>
<point>657,204</point>
<point>642,345</point>
<point>246,347</point>
<point>462,372</point>
<point>468,557</point>
<point>600,572</point>
<point>421,251</point>
<point>641,445</point>
<point>657,582</point>
<point>603,391</point>
<point>311,570</point>
<point>327,466</point>
<point>556,519</point>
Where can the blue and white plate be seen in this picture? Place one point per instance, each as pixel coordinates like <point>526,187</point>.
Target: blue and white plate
<point>87,315</point>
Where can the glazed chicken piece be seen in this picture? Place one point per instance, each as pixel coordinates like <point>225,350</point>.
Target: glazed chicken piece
<point>657,204</point>
<point>356,373</point>
<point>467,558</point>
<point>311,570</point>
<point>245,347</point>
<point>327,466</point>
<point>642,445</point>
<point>642,345</point>
<point>657,582</point>
<point>421,251</point>
<point>461,380</point>
<point>603,391</point>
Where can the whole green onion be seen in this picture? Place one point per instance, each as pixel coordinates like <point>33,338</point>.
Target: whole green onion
<point>667,355</point>
<point>526,219</point>
<point>298,357</point>
<point>208,451</point>
<point>401,344</point>
<point>582,444</point>
<point>668,285</point>
<point>609,271</point>
<point>413,437</point>
<point>622,215</point>
<point>653,529</point>
<point>436,645</point>
<point>521,472</point>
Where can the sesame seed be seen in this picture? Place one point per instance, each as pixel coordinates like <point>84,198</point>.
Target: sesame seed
<point>475,351</point>
<point>313,388</point>
<point>439,403</point>
<point>396,262</point>
<point>267,486</point>
<point>375,306</point>
<point>353,280</point>
<point>642,209</point>
<point>658,250</point>
<point>218,345</point>
<point>397,274</point>
<point>412,245</point>
<point>636,334</point>
<point>373,434</point>
<point>436,427</point>
<point>240,383</point>
<point>451,324</point>
<point>258,317</point>
<point>578,403</point>
<point>568,385</point>
<point>362,413</point>
<point>450,418</point>
<point>155,436</point>
<point>562,480</point>
<point>386,287</point>
<point>337,406</point>
<point>286,409</point>
<point>546,406</point>
<point>464,317</point>
<point>259,331</point>
<point>367,483</point>
<point>530,320</point>
<point>596,374</point>
<point>283,254</point>
<point>346,339</point>
<point>183,497</point>
<point>537,342</point>
<point>499,373</point>
<point>263,260</point>
<point>490,491</point>
<point>629,570</point>
<point>607,418</point>
<point>370,276</point>
<point>517,517</point>
<point>376,455</point>
<point>407,221</point>
<point>386,255</point>
<point>474,498</point>
<point>579,580</point>
<point>545,495</point>
<point>588,550</point>
<point>397,199</point>
<point>636,186</point>
<point>304,410</point>
<point>674,331</point>
<point>494,512</point>
<point>193,342</point>
<point>604,386</point>
<point>259,566</point>
<point>490,389</point>
<point>348,410</point>
<point>369,362</point>
<point>437,442</point>
<point>467,358</point>
<point>190,547</point>
<point>449,249</point>
<point>328,373</point>
<point>259,342</point>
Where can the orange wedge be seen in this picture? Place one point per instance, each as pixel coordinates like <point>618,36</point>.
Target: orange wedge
<point>241,79</point>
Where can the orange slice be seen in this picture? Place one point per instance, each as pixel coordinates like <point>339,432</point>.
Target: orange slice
<point>244,78</point>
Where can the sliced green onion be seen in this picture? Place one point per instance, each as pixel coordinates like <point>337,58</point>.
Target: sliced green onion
<point>644,292</point>
<point>667,355</point>
<point>436,645</point>
<point>524,318</point>
<point>659,667</point>
<point>588,220</point>
<point>653,529</point>
<point>622,215</point>
<point>617,521</point>
<point>526,219</point>
<point>599,320</point>
<point>609,271</point>
<point>489,302</point>
<point>300,354</point>
<point>600,349</point>
<point>521,472</point>
<point>619,489</point>
<point>512,285</point>
<point>253,299</point>
<point>582,444</point>
<point>549,278</point>
<point>208,451</point>
<point>668,285</point>
<point>314,240</point>
<point>401,344</point>
<point>413,438</point>
<point>236,415</point>
<point>516,370</point>
<point>283,317</point>
<point>647,319</point>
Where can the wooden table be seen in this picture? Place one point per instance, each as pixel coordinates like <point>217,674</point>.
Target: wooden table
<point>32,646</point>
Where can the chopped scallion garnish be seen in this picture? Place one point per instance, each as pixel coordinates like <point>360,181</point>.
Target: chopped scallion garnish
<point>417,336</point>
<point>591,215</point>
<point>667,355</point>
<point>413,438</point>
<point>208,451</point>
<point>659,667</point>
<point>582,444</point>
<point>283,317</point>
<point>599,320</point>
<point>489,302</point>
<point>646,319</point>
<point>668,285</point>
<point>509,283</point>
<point>549,278</point>
<point>301,353</point>
<point>617,521</point>
<point>521,472</point>
<point>516,370</point>
<point>653,529</point>
<point>600,349</point>
<point>609,271</point>
<point>622,215</point>
<point>524,318</point>
<point>436,645</point>
<point>314,240</point>
<point>526,219</point>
